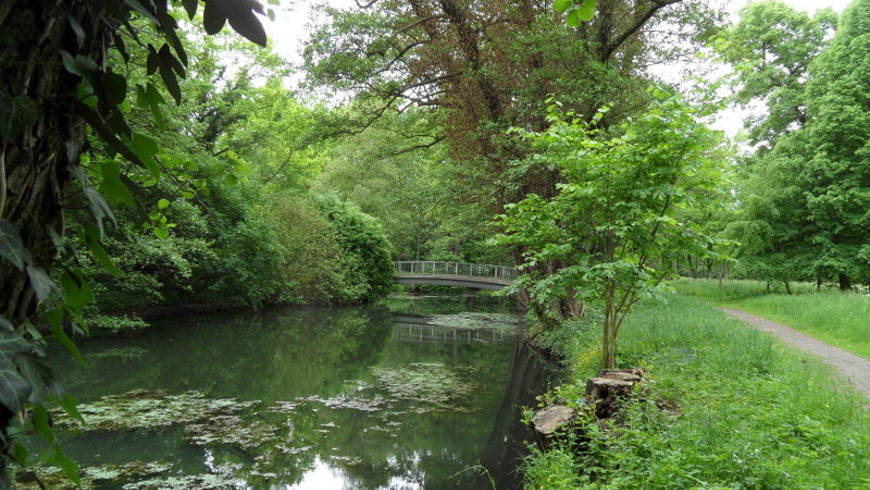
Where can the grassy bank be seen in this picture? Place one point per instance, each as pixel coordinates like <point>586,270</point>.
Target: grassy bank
<point>743,411</point>
<point>834,317</point>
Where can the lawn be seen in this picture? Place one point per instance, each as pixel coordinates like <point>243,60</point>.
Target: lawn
<point>841,319</point>
<point>750,412</point>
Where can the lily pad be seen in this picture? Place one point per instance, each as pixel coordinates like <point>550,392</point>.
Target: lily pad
<point>150,409</point>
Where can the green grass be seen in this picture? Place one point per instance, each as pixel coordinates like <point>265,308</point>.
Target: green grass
<point>753,413</point>
<point>841,319</point>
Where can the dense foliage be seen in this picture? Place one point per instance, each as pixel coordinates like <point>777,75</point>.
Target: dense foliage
<point>619,218</point>
<point>804,195</point>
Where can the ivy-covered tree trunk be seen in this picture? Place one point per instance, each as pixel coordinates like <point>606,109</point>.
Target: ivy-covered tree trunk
<point>40,139</point>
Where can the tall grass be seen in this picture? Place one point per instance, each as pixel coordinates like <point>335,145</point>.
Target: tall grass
<point>752,413</point>
<point>841,319</point>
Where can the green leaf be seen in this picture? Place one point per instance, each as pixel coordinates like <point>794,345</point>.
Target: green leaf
<point>69,467</point>
<point>14,389</point>
<point>107,134</point>
<point>21,454</point>
<point>146,148</point>
<point>138,7</point>
<point>215,16</point>
<point>176,44</point>
<point>99,207</point>
<point>77,292</point>
<point>244,21</point>
<point>163,204</point>
<point>153,61</point>
<point>190,6</point>
<point>15,113</point>
<point>586,10</point>
<point>70,406</point>
<point>55,319</point>
<point>99,254</point>
<point>170,81</point>
<point>166,58</point>
<point>80,65</point>
<point>11,245</point>
<point>41,283</point>
<point>562,5</point>
<point>573,18</point>
<point>112,185</point>
<point>161,233</point>
<point>115,87</point>
<point>41,422</point>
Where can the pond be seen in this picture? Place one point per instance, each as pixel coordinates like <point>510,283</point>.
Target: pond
<point>419,392</point>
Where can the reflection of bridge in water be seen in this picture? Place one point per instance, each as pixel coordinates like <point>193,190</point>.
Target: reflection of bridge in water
<point>410,328</point>
<point>477,276</point>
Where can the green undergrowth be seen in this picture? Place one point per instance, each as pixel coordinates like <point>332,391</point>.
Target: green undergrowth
<point>841,319</point>
<point>723,407</point>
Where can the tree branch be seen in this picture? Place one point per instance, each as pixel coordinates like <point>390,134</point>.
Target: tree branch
<point>608,50</point>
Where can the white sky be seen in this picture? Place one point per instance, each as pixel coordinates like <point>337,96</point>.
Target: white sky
<point>291,27</point>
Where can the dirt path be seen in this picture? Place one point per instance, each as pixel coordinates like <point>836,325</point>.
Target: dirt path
<point>856,369</point>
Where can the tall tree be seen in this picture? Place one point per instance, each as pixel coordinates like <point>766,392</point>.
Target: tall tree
<point>836,179</point>
<point>804,200</point>
<point>489,66</point>
<point>770,49</point>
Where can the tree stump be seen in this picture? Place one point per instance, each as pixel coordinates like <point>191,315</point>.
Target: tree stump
<point>606,391</point>
<point>549,420</point>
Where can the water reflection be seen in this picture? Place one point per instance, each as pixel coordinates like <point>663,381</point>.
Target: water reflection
<point>404,397</point>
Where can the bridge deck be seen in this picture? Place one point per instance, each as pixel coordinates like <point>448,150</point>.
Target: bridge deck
<point>453,280</point>
<point>478,276</point>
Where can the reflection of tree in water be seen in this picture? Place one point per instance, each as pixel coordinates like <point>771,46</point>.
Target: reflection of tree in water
<point>335,355</point>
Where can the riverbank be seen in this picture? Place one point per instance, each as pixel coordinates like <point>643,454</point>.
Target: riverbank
<point>725,406</point>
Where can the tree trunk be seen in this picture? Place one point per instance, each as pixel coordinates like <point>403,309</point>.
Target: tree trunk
<point>36,158</point>
<point>845,282</point>
<point>787,287</point>
<point>608,337</point>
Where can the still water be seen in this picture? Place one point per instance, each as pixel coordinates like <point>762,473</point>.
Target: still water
<point>419,392</point>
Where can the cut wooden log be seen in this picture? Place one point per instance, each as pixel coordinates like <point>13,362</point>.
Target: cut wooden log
<point>550,419</point>
<point>605,391</point>
<point>632,375</point>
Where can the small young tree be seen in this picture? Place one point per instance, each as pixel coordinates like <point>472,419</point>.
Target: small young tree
<point>619,216</point>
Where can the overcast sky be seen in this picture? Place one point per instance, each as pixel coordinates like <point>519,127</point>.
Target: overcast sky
<point>292,25</point>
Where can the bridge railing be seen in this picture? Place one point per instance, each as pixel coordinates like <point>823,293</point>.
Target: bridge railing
<point>436,268</point>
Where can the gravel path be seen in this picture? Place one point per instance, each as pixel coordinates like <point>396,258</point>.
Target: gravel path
<point>854,368</point>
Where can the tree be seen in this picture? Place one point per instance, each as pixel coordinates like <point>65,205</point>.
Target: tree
<point>617,222</point>
<point>55,86</point>
<point>836,149</point>
<point>770,49</point>
<point>487,66</point>
<point>803,200</point>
